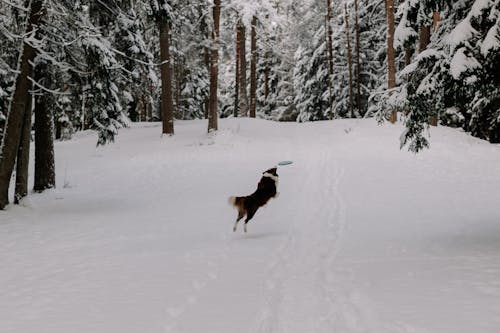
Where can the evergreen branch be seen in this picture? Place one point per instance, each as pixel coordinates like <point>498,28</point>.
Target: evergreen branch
<point>24,9</point>
<point>55,92</point>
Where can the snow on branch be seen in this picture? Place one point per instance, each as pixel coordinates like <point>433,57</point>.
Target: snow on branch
<point>56,92</point>
<point>15,5</point>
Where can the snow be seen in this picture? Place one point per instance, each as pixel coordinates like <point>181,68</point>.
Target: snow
<point>461,63</point>
<point>479,6</point>
<point>364,237</point>
<point>404,32</point>
<point>461,33</point>
<point>491,41</point>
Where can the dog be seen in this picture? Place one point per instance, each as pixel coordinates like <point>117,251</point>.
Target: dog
<point>248,205</point>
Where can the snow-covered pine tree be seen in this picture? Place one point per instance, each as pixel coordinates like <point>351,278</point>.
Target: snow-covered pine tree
<point>12,20</point>
<point>138,81</point>
<point>275,93</point>
<point>373,55</point>
<point>372,25</point>
<point>475,58</point>
<point>18,124</point>
<point>311,74</point>
<point>162,11</point>
<point>311,80</point>
<point>457,74</point>
<point>103,104</point>
<point>214,67</point>
<point>189,51</point>
<point>340,76</point>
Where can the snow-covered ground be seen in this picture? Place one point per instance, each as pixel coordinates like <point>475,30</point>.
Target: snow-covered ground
<point>363,237</point>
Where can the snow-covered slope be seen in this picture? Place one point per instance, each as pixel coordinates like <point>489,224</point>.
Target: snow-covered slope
<point>363,237</point>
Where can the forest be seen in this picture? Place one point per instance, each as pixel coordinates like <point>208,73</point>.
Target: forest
<point>359,139</point>
<point>69,66</point>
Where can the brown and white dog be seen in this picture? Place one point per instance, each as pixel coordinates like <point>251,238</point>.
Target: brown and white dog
<point>248,205</point>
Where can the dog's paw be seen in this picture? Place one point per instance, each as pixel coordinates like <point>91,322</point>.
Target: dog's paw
<point>277,195</point>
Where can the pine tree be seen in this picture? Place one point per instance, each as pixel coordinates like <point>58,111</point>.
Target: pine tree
<point>45,176</point>
<point>391,61</point>
<point>253,68</point>
<point>18,108</point>
<point>243,98</point>
<point>457,73</point>
<point>358,61</point>
<point>190,58</point>
<point>349,62</point>
<point>330,51</point>
<point>214,73</point>
<point>163,16</point>
<point>138,80</point>
<point>311,80</point>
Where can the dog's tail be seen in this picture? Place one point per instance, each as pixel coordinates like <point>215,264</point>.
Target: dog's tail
<point>235,201</point>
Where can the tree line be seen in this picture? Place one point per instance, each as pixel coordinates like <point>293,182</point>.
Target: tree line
<point>93,64</point>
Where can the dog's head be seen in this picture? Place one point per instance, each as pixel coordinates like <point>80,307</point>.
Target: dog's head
<point>271,171</point>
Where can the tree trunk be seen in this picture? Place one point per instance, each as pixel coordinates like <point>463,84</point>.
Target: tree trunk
<point>23,154</point>
<point>330,53</point>
<point>253,70</point>
<point>391,62</point>
<point>17,109</point>
<point>243,72</point>
<point>176,75</point>
<point>45,176</point>
<point>214,58</point>
<point>424,37</point>
<point>358,66</point>
<point>436,17</point>
<point>207,64</point>
<point>167,105</point>
<point>433,119</point>
<point>266,83</point>
<point>349,61</point>
<point>407,56</point>
<point>237,74</point>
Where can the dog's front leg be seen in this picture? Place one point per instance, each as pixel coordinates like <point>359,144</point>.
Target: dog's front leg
<point>235,225</point>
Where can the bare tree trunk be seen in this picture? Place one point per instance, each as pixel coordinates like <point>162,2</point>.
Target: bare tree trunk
<point>23,154</point>
<point>207,64</point>
<point>167,104</point>
<point>214,58</point>
<point>45,176</point>
<point>358,66</point>
<point>391,63</point>
<point>18,107</point>
<point>150,105</point>
<point>253,70</point>
<point>424,37</point>
<point>349,60</point>
<point>237,74</point>
<point>266,83</point>
<point>408,52</point>
<point>243,71</point>
<point>176,75</point>
<point>433,119</point>
<point>330,53</point>
<point>436,17</point>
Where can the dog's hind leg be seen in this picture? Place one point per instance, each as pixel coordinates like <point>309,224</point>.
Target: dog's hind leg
<point>240,216</point>
<point>250,214</point>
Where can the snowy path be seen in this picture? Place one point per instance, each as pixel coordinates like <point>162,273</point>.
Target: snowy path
<point>363,237</point>
<point>298,277</point>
